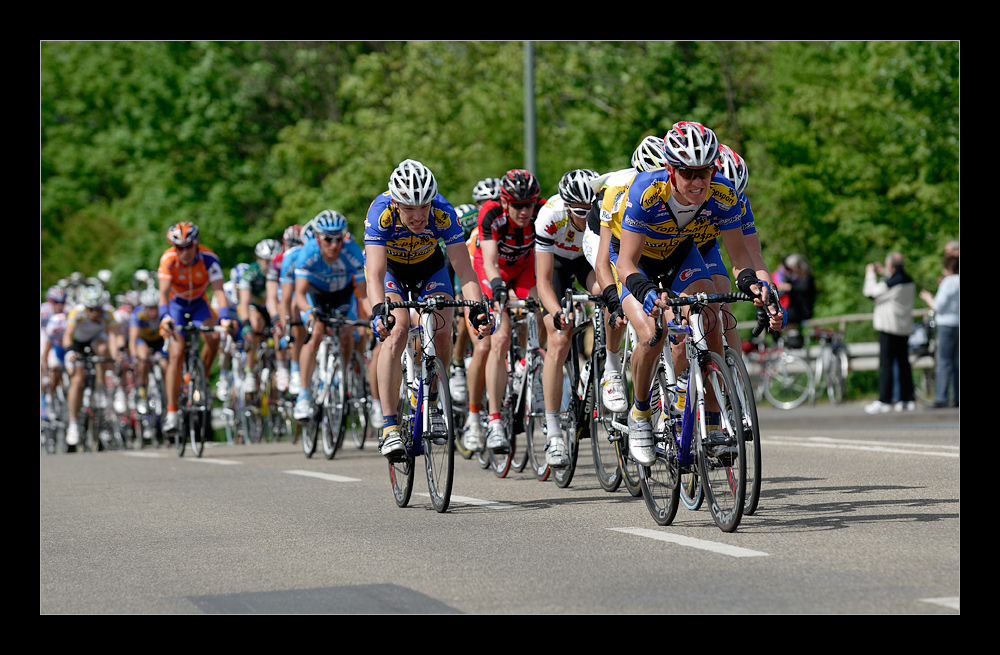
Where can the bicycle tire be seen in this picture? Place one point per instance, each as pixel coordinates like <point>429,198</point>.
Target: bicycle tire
<point>751,429</point>
<point>788,381</point>
<point>660,482</point>
<point>500,462</point>
<point>401,467</point>
<point>602,446</point>
<point>574,428</point>
<point>310,434</point>
<point>723,468</point>
<point>197,408</point>
<point>534,423</point>
<point>627,465</point>
<point>335,407</point>
<point>439,453</point>
<point>359,409</point>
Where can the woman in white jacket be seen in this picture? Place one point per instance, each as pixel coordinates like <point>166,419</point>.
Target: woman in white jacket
<point>894,294</point>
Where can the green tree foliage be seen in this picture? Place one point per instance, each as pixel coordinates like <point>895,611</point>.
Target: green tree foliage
<point>852,146</point>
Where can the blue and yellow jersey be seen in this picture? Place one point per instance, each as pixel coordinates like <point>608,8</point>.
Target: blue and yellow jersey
<point>705,230</point>
<point>647,210</point>
<point>148,325</point>
<point>406,251</point>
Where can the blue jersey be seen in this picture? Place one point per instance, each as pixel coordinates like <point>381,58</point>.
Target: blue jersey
<point>648,212</point>
<point>287,274</point>
<point>329,277</point>
<point>408,254</point>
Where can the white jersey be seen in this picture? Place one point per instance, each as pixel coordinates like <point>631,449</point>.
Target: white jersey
<point>555,232</point>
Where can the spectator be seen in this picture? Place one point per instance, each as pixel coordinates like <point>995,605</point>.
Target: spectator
<point>945,304</point>
<point>800,287</point>
<point>894,295</point>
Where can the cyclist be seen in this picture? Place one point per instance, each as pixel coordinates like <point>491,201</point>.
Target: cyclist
<point>650,244</point>
<point>327,270</point>
<point>291,319</point>
<point>402,229</point>
<point>252,309</point>
<point>559,261</point>
<point>231,297</point>
<point>89,324</point>
<point>187,270</point>
<point>144,338</point>
<point>291,238</point>
<point>505,260</point>
<point>53,324</point>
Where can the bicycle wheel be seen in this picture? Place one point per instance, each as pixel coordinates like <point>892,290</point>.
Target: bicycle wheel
<point>602,446</point>
<point>359,406</point>
<point>310,434</point>
<point>500,462</point>
<point>788,381</point>
<point>534,422</point>
<point>198,409</point>
<point>660,482</point>
<point>335,407</point>
<point>574,429</point>
<point>628,466</point>
<point>751,428</point>
<point>439,451</point>
<point>722,461</point>
<point>401,467</point>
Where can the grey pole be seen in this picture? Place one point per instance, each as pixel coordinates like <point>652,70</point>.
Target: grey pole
<point>529,107</point>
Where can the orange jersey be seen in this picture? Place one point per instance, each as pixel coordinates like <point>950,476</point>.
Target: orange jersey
<point>190,283</point>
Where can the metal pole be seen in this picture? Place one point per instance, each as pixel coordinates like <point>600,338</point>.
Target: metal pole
<point>529,107</point>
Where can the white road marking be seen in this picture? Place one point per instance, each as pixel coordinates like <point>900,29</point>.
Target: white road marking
<point>951,602</point>
<point>210,460</point>
<point>324,476</point>
<point>690,542</point>
<point>142,453</point>
<point>872,446</point>
<point>489,504</point>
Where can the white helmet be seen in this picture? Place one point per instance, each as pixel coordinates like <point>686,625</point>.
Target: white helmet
<point>574,187</point>
<point>488,189</point>
<point>267,249</point>
<point>92,297</point>
<point>649,155</point>
<point>412,184</point>
<point>732,166</point>
<point>149,298</point>
<point>690,145</point>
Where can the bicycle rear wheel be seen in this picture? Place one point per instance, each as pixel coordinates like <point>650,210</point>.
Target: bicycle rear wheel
<point>602,446</point>
<point>722,461</point>
<point>660,482</point>
<point>751,428</point>
<point>788,381</point>
<point>198,409</point>
<point>574,429</point>
<point>358,397</point>
<point>501,462</point>
<point>439,451</point>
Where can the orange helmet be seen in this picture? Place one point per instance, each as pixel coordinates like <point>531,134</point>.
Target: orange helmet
<point>182,234</point>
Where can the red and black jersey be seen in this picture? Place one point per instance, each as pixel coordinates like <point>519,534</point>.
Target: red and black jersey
<point>514,244</point>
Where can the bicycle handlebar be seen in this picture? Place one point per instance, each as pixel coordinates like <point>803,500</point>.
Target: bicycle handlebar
<point>431,303</point>
<point>699,299</point>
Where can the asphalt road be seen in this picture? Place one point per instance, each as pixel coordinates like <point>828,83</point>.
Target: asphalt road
<point>859,514</point>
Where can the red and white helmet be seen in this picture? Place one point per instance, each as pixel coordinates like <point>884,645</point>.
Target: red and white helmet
<point>182,234</point>
<point>690,145</point>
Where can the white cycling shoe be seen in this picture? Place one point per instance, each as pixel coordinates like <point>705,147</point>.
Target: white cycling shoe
<point>640,440</point>
<point>613,392</point>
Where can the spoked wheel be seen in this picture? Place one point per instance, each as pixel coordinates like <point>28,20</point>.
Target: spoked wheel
<point>788,381</point>
<point>458,416</point>
<point>439,450</point>
<point>628,467</point>
<point>401,467</point>
<point>534,423</point>
<point>500,462</point>
<point>691,492</point>
<point>660,482</point>
<point>310,433</point>
<point>198,405</point>
<point>751,428</point>
<point>573,429</point>
<point>609,474</point>
<point>334,410</point>
<point>722,456</point>
<point>359,404</point>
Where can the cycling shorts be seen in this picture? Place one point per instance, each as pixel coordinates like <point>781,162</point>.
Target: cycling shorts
<point>199,309</point>
<point>343,302</point>
<point>713,259</point>
<point>439,282</point>
<point>564,271</point>
<point>519,278</point>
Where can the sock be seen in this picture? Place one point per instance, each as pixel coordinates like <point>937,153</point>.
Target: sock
<point>494,417</point>
<point>640,407</point>
<point>474,408</point>
<point>295,366</point>
<point>613,361</point>
<point>388,421</point>
<point>552,423</point>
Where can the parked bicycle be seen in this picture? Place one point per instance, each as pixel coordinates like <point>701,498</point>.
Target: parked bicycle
<point>831,366</point>
<point>426,429</point>
<point>783,378</point>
